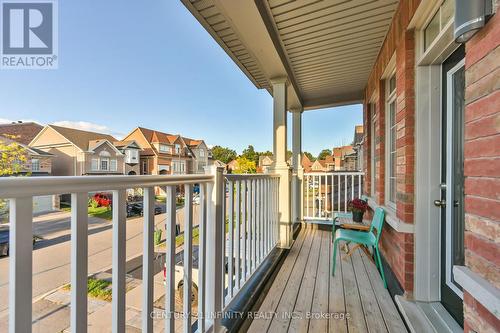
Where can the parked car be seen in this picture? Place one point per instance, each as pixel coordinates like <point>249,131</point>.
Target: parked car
<point>137,208</point>
<point>4,239</point>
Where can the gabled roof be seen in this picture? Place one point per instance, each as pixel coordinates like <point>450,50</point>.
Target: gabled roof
<point>82,139</point>
<point>32,151</point>
<point>126,144</point>
<point>21,132</point>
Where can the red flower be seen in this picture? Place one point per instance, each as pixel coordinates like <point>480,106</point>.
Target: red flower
<point>357,205</point>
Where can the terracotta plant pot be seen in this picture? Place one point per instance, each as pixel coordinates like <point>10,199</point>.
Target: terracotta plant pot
<point>357,216</point>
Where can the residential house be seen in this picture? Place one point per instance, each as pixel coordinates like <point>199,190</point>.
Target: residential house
<point>38,162</point>
<point>318,166</point>
<point>265,162</point>
<point>21,132</point>
<point>131,150</point>
<point>339,154</point>
<point>77,152</point>
<point>166,154</point>
<point>306,163</point>
<point>232,165</point>
<point>200,155</point>
<point>357,146</point>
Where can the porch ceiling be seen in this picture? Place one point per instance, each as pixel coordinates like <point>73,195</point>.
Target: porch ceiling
<point>325,48</point>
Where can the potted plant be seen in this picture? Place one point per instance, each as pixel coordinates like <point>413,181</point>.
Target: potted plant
<point>358,207</point>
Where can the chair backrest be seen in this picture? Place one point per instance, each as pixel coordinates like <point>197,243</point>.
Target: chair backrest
<point>378,221</point>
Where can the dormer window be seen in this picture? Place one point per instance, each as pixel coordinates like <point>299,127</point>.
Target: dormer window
<point>163,148</point>
<point>177,148</point>
<point>202,153</point>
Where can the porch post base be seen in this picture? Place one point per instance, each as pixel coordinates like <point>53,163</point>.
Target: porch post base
<point>285,221</point>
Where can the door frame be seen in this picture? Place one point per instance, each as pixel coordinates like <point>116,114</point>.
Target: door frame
<point>449,176</point>
<point>428,108</point>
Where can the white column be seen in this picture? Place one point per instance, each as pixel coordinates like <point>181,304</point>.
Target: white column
<point>280,165</point>
<point>298,172</point>
<point>214,246</point>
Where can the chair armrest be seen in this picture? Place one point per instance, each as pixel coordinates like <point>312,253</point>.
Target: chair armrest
<point>360,227</point>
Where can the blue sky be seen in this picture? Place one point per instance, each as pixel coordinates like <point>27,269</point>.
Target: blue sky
<point>123,64</point>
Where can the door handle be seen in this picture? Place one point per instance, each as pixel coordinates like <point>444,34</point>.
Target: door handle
<point>440,203</point>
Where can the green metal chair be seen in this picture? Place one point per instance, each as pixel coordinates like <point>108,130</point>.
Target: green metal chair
<point>368,238</point>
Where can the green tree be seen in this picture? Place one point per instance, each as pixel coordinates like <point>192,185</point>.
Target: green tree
<point>223,154</point>
<point>324,153</point>
<point>245,165</point>
<point>251,154</point>
<point>310,156</point>
<point>12,159</point>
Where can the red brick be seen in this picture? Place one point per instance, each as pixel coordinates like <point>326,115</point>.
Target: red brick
<point>483,167</point>
<point>483,127</point>
<point>483,147</point>
<point>483,247</point>
<point>483,107</point>
<point>479,311</point>
<point>482,226</point>
<point>483,187</point>
<point>483,42</point>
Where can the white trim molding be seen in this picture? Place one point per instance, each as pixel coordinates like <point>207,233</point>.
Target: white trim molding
<point>391,219</point>
<point>483,291</point>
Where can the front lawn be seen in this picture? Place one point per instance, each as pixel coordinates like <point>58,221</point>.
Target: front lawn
<point>97,288</point>
<point>100,212</point>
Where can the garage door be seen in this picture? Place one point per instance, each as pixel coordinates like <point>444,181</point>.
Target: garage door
<point>42,204</point>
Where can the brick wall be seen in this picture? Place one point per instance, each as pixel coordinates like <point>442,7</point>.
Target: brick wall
<point>482,168</point>
<point>397,248</point>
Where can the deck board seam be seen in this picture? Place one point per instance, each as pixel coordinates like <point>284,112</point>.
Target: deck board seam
<point>306,233</point>
<point>302,277</point>
<point>315,279</point>
<point>375,293</point>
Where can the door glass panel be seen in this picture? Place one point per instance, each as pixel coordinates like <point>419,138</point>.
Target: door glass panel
<point>457,218</point>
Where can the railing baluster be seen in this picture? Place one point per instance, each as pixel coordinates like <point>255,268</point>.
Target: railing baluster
<point>147,259</point>
<point>79,261</point>
<point>359,186</point>
<point>202,259</point>
<point>338,193</point>
<point>261,220</point>
<point>170,260</point>
<point>345,193</point>
<point>119,260</point>
<point>21,264</point>
<point>244,229</point>
<point>230,248</point>
<point>352,187</point>
<point>238,235</point>
<point>254,225</point>
<point>188,255</point>
<point>332,195</point>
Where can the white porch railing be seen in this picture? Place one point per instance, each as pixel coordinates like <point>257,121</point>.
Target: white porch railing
<point>252,226</point>
<point>329,192</point>
<point>252,217</point>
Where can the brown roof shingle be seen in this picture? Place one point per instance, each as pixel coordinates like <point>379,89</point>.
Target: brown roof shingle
<point>82,138</point>
<point>21,132</point>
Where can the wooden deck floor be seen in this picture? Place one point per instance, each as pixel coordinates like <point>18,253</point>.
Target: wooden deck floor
<point>304,297</point>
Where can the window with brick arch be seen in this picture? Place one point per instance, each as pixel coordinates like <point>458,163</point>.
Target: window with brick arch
<point>391,156</point>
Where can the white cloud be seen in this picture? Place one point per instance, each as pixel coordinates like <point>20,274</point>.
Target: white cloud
<point>88,126</point>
